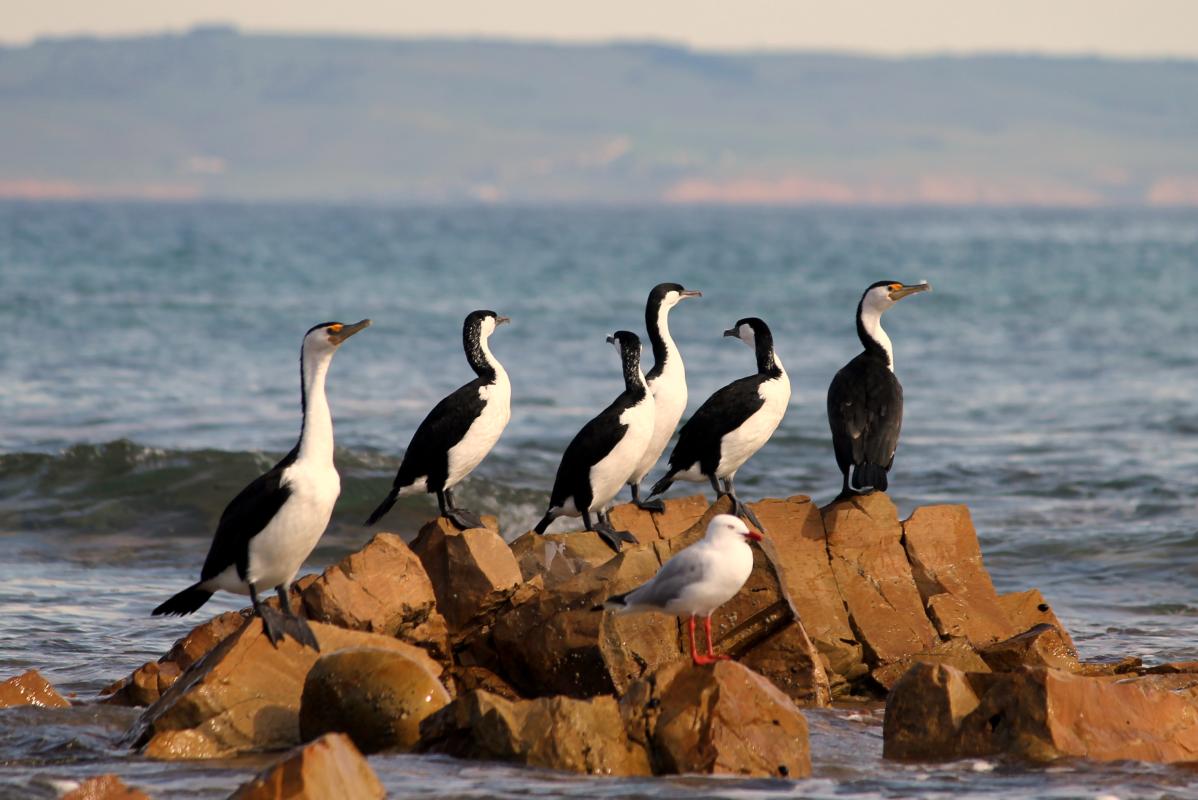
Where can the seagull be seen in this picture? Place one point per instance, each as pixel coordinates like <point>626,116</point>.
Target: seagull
<point>698,580</point>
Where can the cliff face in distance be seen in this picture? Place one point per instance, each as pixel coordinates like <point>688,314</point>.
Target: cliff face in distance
<point>215,113</point>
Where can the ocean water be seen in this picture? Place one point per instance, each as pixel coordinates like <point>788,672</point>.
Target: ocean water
<point>150,371</point>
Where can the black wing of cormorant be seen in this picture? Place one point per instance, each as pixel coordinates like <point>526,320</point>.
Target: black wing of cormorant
<point>588,447</point>
<point>865,413</point>
<point>445,426</point>
<point>720,414</point>
<point>245,517</point>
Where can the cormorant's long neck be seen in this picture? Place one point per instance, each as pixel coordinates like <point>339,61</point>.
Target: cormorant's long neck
<point>665,352</point>
<point>634,378</point>
<point>767,360</point>
<point>869,331</point>
<point>316,435</point>
<point>478,353</point>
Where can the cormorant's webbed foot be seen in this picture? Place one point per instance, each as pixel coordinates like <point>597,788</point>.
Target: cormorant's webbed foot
<point>742,510</point>
<point>273,624</point>
<point>654,505</point>
<point>296,626</point>
<point>463,519</point>
<point>613,537</point>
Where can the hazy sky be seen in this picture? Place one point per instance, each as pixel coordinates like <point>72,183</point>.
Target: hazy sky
<point>1112,27</point>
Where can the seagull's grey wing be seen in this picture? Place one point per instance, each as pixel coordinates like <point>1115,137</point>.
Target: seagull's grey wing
<point>679,573</point>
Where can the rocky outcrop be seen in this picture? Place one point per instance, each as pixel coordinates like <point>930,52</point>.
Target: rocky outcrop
<point>104,787</point>
<point>149,681</point>
<point>1041,714</point>
<point>718,720</point>
<point>327,768</point>
<point>245,695</point>
<point>558,557</point>
<point>957,652</point>
<point>586,736</point>
<point>382,588</point>
<point>471,571</point>
<point>376,697</point>
<point>1042,646</point>
<point>30,689</point>
<point>1028,609</point>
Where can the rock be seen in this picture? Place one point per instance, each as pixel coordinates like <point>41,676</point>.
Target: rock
<point>957,652</point>
<point>640,523</point>
<point>1028,609</point>
<point>1042,646</point>
<point>383,589</point>
<point>104,787</point>
<point>875,579</point>
<point>946,562</point>
<point>149,681</point>
<point>800,548</point>
<point>377,697</point>
<point>558,557</point>
<point>549,642</point>
<point>327,768</point>
<point>586,736</point>
<point>468,679</point>
<point>719,720</point>
<point>30,689</point>
<point>1041,714</point>
<point>471,571</point>
<point>245,695</point>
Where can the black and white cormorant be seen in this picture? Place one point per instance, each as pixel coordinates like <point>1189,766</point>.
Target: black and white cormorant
<point>734,423</point>
<point>460,430</point>
<point>268,530</point>
<point>604,453</point>
<point>865,400</point>
<point>667,383</point>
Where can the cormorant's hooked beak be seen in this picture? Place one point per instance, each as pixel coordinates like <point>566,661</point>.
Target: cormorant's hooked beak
<point>753,536</point>
<point>733,332</point>
<point>502,321</point>
<point>337,337</point>
<point>611,340</point>
<point>685,293</point>
<point>915,288</point>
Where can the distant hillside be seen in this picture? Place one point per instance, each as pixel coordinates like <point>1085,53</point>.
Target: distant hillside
<point>216,113</point>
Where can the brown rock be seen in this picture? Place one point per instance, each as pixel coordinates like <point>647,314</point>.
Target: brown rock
<point>681,514</point>
<point>558,642</point>
<point>558,557</point>
<point>1041,714</point>
<point>875,580</point>
<point>471,571</point>
<point>958,653</point>
<point>382,589</point>
<point>330,767</point>
<point>245,695</point>
<point>800,554</point>
<point>149,681</point>
<point>104,787</point>
<point>1028,609</point>
<point>640,523</point>
<point>1042,646</point>
<point>30,689</point>
<point>377,697</point>
<point>469,679</point>
<point>585,736</point>
<point>719,720</point>
<point>946,562</point>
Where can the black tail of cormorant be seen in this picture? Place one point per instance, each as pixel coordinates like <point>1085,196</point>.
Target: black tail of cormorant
<point>185,602</point>
<point>384,506</point>
<point>868,476</point>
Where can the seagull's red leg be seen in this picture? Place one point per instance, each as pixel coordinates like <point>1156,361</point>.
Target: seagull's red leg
<point>695,657</point>
<point>711,655</point>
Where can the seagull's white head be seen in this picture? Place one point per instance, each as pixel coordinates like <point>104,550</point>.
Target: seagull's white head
<point>727,529</point>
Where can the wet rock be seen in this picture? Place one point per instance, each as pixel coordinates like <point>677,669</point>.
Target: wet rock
<point>586,736</point>
<point>946,562</point>
<point>382,588</point>
<point>245,695</point>
<point>149,681</point>
<point>1041,714</point>
<point>104,787</point>
<point>1042,646</point>
<point>800,555</point>
<point>30,689</point>
<point>717,720</point>
<point>377,697</point>
<point>1028,609</point>
<point>956,652</point>
<point>875,579</point>
<point>327,768</point>
<point>471,571</point>
<point>555,641</point>
<point>557,557</point>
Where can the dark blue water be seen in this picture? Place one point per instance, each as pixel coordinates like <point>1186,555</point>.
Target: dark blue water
<point>151,370</point>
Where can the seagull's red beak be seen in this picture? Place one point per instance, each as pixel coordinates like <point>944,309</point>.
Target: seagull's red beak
<point>753,535</point>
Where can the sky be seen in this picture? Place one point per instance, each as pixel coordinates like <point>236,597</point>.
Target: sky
<point>1119,28</point>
